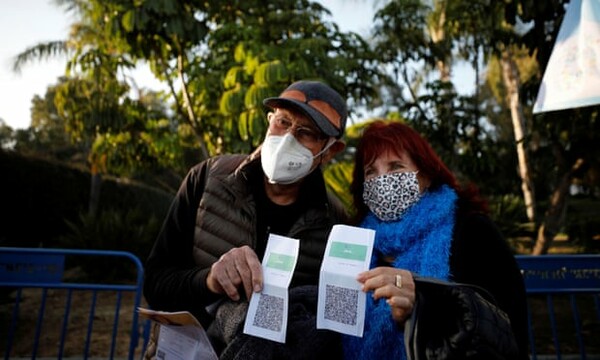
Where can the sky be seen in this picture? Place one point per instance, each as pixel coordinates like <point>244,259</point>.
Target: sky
<point>22,27</point>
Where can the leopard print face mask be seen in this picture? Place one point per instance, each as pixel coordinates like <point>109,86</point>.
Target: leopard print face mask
<point>388,196</point>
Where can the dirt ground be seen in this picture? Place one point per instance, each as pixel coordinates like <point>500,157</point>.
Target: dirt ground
<point>565,332</point>
<point>100,336</point>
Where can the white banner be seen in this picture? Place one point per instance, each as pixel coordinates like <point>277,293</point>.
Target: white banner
<point>572,77</point>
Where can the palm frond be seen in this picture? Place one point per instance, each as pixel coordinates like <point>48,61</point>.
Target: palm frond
<point>40,52</point>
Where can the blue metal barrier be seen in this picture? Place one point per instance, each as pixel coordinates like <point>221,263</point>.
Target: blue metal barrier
<point>553,282</point>
<point>44,269</point>
<point>561,287</point>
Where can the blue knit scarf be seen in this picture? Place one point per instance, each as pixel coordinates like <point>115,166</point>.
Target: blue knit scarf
<point>419,242</point>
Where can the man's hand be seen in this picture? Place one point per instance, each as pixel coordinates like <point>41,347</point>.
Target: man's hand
<point>238,266</point>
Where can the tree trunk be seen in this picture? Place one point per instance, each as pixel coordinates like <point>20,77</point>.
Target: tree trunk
<point>510,75</point>
<point>189,113</point>
<point>188,105</point>
<point>437,31</point>
<point>95,186</point>
<point>555,215</point>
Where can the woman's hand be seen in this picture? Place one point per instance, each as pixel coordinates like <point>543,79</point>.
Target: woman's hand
<point>395,285</point>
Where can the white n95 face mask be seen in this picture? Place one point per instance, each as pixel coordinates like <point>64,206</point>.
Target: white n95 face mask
<point>388,196</point>
<point>284,160</point>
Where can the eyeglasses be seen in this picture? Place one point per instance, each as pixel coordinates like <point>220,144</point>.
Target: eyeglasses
<point>280,124</point>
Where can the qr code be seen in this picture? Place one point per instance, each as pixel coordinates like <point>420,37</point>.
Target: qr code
<point>269,313</point>
<point>341,304</point>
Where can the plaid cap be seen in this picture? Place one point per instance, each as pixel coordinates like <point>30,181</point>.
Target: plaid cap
<point>318,102</point>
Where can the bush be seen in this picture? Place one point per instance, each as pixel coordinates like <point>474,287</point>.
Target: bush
<point>37,195</point>
<point>45,203</point>
<point>112,229</point>
<point>508,212</point>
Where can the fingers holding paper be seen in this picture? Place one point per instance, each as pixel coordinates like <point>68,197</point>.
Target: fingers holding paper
<point>236,269</point>
<point>396,286</point>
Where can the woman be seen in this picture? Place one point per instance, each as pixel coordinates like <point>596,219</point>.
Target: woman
<point>425,224</point>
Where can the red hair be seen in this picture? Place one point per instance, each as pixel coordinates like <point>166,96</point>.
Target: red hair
<point>382,136</point>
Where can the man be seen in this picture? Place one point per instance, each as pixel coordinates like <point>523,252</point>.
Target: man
<point>209,250</point>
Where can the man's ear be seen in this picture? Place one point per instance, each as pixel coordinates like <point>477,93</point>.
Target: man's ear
<point>333,150</point>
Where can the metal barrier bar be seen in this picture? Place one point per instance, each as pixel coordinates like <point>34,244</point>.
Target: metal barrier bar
<point>38,328</point>
<point>577,319</point>
<point>570,276</point>
<point>90,324</point>
<point>115,325</point>
<point>30,268</point>
<point>63,332</point>
<point>552,315</point>
<point>548,276</point>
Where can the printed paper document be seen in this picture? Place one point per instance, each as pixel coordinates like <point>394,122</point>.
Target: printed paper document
<point>181,336</point>
<point>268,310</point>
<point>341,304</point>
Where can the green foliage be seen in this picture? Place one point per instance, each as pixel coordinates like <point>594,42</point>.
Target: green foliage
<point>232,101</point>
<point>233,77</point>
<point>297,44</point>
<point>122,229</point>
<point>252,126</point>
<point>41,51</point>
<point>400,27</point>
<point>338,177</point>
<point>37,195</point>
<point>255,95</point>
<point>272,72</point>
<point>508,212</point>
<point>465,142</point>
<point>582,224</point>
<point>46,135</point>
<point>43,200</point>
<point>6,135</point>
<point>181,40</point>
<point>229,56</point>
<point>132,153</point>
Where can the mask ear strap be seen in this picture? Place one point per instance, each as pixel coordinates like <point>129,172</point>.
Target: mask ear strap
<point>331,141</point>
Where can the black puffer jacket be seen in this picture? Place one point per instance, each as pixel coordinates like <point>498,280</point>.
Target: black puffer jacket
<point>214,211</point>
